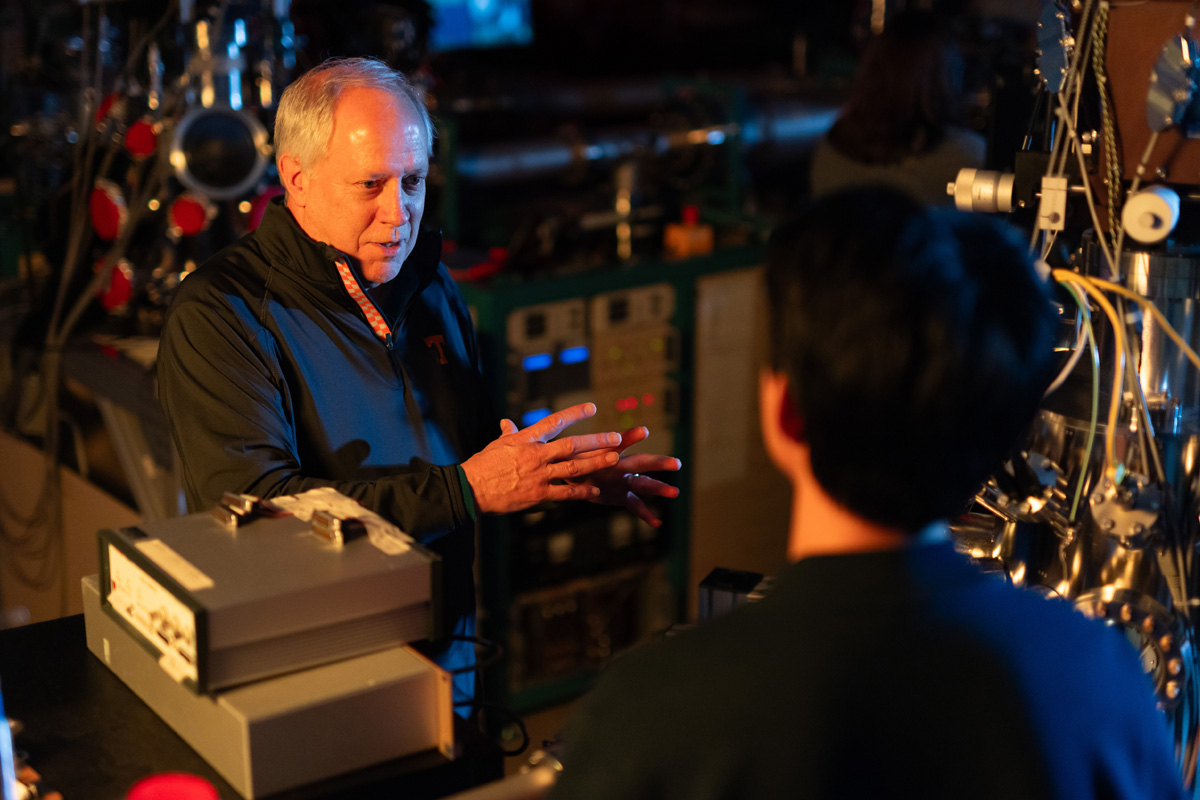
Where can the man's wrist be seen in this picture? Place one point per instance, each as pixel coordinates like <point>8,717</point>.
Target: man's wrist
<point>467,493</point>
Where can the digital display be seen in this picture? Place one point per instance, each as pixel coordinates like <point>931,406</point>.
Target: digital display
<point>471,24</point>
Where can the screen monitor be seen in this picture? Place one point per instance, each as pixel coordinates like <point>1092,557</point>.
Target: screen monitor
<point>476,24</point>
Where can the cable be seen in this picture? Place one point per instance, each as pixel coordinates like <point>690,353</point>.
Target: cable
<point>1087,193</point>
<point>481,705</point>
<point>1139,413</point>
<point>1112,166</point>
<point>135,52</point>
<point>1085,465</point>
<point>497,652</point>
<point>1043,95</point>
<point>1114,406</point>
<point>1147,427</point>
<point>1146,304</point>
<point>1070,81</point>
<point>1076,354</point>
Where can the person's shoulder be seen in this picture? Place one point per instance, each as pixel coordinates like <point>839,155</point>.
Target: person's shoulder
<point>236,268</point>
<point>1090,654</point>
<point>967,143</point>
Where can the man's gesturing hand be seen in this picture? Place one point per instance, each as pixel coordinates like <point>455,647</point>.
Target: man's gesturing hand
<point>624,484</point>
<point>523,468</point>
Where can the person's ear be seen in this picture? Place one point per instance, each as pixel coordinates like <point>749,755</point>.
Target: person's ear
<point>782,425</point>
<point>790,421</point>
<point>294,180</point>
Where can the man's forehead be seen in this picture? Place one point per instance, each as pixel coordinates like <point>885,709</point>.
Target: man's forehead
<point>361,106</point>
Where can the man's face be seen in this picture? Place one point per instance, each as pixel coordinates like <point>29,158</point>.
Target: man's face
<point>366,196</point>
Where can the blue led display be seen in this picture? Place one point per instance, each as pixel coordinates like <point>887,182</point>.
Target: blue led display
<point>537,415</point>
<point>537,361</point>
<point>573,355</point>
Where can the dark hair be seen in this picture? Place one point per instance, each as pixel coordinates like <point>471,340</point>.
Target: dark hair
<point>917,343</point>
<point>900,104</point>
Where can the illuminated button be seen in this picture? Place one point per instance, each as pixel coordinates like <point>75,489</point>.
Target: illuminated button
<point>537,361</point>
<point>574,355</point>
<point>536,415</point>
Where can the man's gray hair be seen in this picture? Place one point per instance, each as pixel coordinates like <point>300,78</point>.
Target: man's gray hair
<point>304,120</point>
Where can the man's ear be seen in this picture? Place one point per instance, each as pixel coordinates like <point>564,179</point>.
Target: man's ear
<point>293,179</point>
<point>790,421</point>
<point>780,413</point>
<point>782,426</point>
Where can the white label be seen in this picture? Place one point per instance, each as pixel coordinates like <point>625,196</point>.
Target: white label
<point>175,565</point>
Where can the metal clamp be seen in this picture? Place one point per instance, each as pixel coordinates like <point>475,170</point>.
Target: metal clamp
<point>237,509</point>
<point>334,529</point>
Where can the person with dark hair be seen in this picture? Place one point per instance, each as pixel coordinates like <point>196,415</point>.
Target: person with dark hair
<point>331,348</point>
<point>898,125</point>
<point>909,348</point>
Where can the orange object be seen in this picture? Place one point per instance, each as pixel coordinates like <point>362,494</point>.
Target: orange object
<point>687,238</point>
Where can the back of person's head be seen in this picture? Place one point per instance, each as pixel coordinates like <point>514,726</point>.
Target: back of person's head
<point>901,102</point>
<point>304,119</point>
<point>916,343</point>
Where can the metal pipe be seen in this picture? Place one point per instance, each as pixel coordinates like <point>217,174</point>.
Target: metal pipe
<point>783,126</point>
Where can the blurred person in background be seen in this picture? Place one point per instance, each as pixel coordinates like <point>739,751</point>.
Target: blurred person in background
<point>898,127</point>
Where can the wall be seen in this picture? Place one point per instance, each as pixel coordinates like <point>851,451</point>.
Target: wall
<point>86,509</point>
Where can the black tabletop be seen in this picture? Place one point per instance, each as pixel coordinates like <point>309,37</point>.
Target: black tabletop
<point>91,737</point>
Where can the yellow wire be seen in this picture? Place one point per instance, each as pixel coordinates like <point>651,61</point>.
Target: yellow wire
<point>1118,327</point>
<point>1153,309</point>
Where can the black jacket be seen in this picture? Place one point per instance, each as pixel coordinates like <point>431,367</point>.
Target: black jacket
<point>274,383</point>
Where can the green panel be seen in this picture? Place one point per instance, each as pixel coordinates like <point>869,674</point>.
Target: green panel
<point>491,304</point>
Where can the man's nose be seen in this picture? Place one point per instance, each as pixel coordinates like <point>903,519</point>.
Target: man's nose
<point>391,206</point>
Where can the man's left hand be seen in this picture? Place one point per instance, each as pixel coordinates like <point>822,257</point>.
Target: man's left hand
<point>624,484</point>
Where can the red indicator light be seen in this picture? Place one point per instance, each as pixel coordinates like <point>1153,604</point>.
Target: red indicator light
<point>647,399</point>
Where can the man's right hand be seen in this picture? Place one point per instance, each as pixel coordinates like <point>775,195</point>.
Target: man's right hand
<point>525,468</point>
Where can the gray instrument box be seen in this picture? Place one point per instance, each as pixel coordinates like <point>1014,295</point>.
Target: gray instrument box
<point>303,727</point>
<point>223,606</point>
